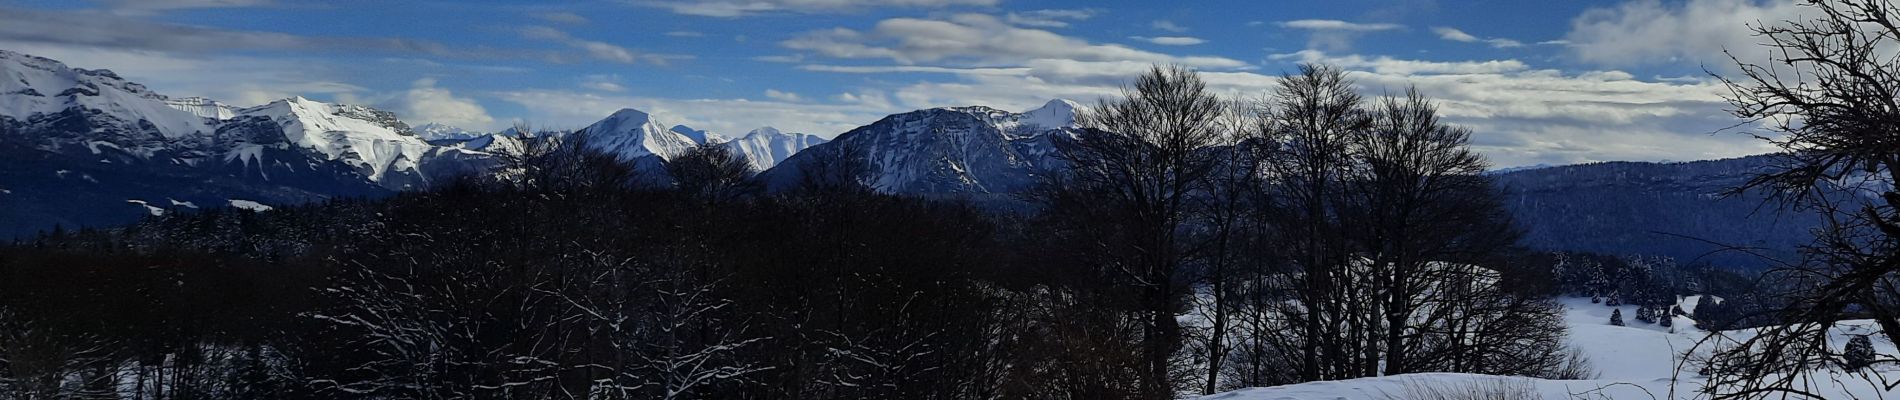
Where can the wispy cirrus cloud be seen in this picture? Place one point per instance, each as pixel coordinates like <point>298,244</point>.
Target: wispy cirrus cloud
<point>975,38</point>
<point>1338,25</point>
<point>148,7</point>
<point>597,49</point>
<point>1170,40</point>
<point>1456,35</point>
<point>1167,26</point>
<point>110,30</point>
<point>1335,35</point>
<point>1050,18</point>
<point>742,8</point>
<point>1522,114</point>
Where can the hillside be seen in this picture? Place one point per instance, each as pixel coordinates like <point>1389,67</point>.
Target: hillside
<point>1670,209</point>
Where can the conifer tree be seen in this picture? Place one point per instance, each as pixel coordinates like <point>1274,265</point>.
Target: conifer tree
<point>1616,317</point>
<point>1858,354</point>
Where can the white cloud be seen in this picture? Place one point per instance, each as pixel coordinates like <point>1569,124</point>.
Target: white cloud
<point>975,38</point>
<point>788,97</point>
<point>1454,34</point>
<point>89,28</point>
<point>604,83</point>
<point>685,34</point>
<point>885,69</point>
<point>146,7</point>
<point>1338,25</point>
<point>1166,25</point>
<point>873,99</point>
<point>424,102</point>
<point>782,58</point>
<point>1049,18</point>
<point>740,8</point>
<point>596,49</point>
<point>1646,32</point>
<point>1503,43</point>
<point>1522,114</point>
<point>1170,40</point>
<point>1389,65</point>
<point>1335,35</point>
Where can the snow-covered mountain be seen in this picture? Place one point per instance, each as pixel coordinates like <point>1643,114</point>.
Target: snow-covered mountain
<point>84,147</point>
<point>972,149</point>
<point>699,136</point>
<point>34,87</point>
<point>766,147</point>
<point>633,134</point>
<point>204,108</point>
<point>374,143</point>
<point>435,131</point>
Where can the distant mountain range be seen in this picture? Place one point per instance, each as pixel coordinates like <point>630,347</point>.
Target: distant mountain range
<point>89,148</point>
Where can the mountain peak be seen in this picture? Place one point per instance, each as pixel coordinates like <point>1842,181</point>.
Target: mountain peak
<point>633,134</point>
<point>766,131</point>
<point>1055,114</point>
<point>629,114</point>
<point>1059,103</point>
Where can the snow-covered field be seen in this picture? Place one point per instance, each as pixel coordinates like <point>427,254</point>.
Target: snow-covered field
<point>1638,361</point>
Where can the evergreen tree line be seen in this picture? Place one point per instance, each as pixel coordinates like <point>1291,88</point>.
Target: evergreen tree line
<point>1193,244</point>
<point>1655,285</point>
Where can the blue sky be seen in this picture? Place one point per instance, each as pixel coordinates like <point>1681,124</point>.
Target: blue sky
<point>1538,81</point>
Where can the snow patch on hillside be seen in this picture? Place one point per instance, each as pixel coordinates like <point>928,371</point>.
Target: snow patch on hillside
<point>250,205</point>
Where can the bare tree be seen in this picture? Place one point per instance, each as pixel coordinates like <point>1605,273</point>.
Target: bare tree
<point>1224,210</point>
<point>1141,159</point>
<point>838,168</point>
<point>1418,197</point>
<point>1828,97</point>
<point>1315,115</point>
<point>40,362</point>
<point>714,173</point>
<point>560,162</point>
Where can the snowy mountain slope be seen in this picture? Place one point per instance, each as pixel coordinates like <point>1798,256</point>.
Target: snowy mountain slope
<point>632,134</point>
<point>373,142</point>
<point>1056,114</point>
<point>765,147</point>
<point>82,144</point>
<point>33,87</point>
<point>435,131</point>
<point>947,150</point>
<point>203,107</point>
<point>1636,361</point>
<point>699,136</point>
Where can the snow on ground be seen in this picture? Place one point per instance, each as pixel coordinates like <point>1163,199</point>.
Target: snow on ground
<point>1638,361</point>
<point>249,205</point>
<point>149,208</point>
